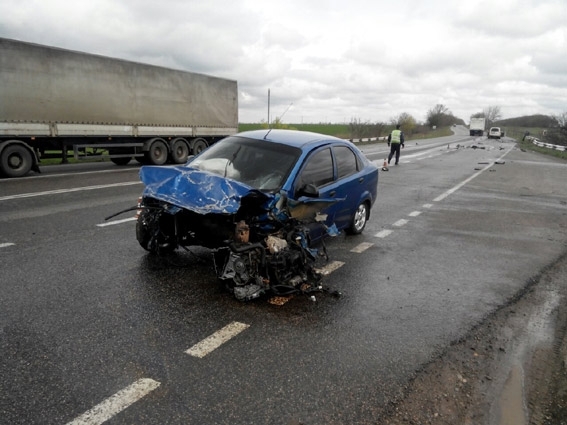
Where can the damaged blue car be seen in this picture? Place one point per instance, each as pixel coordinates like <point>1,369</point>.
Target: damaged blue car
<point>264,201</point>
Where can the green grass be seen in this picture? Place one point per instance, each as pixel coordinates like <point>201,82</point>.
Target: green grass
<point>53,157</point>
<point>518,134</point>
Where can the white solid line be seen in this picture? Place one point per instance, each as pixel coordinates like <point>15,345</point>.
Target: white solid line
<point>73,189</point>
<point>215,340</point>
<point>383,233</point>
<point>457,187</point>
<point>330,268</point>
<point>116,403</point>
<point>414,213</point>
<point>112,223</point>
<point>361,247</point>
<point>6,244</point>
<point>401,222</point>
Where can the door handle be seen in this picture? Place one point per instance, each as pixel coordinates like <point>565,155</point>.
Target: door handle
<point>361,179</point>
<point>332,193</point>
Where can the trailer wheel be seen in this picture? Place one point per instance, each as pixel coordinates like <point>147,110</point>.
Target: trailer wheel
<point>179,151</point>
<point>15,161</point>
<point>157,153</point>
<point>199,146</point>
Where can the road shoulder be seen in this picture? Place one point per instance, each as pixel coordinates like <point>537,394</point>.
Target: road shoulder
<point>511,368</point>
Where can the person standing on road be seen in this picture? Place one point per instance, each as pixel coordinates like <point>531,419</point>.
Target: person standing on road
<point>395,140</point>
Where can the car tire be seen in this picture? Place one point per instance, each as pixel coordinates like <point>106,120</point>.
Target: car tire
<point>359,219</point>
<point>144,237</point>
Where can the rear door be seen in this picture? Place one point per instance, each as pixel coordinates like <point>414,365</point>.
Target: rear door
<point>334,171</point>
<point>350,184</point>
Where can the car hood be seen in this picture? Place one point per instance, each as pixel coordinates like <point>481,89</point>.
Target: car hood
<point>208,193</point>
<point>195,190</point>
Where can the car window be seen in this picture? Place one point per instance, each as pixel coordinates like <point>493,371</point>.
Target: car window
<point>259,164</point>
<point>346,161</point>
<point>319,169</point>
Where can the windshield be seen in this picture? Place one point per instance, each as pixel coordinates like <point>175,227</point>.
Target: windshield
<point>260,164</point>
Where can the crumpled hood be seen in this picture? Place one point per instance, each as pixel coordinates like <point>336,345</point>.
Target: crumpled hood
<point>198,191</point>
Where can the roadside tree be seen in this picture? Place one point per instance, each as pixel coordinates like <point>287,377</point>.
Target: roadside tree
<point>406,121</point>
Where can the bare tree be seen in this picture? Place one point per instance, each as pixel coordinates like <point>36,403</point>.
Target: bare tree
<point>561,120</point>
<point>558,135</point>
<point>358,129</point>
<point>440,116</point>
<point>492,114</point>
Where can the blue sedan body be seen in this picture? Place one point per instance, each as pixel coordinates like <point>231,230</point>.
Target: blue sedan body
<point>269,165</point>
<point>262,200</point>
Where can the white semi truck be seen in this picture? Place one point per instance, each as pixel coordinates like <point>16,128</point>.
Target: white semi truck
<point>59,100</point>
<point>477,126</point>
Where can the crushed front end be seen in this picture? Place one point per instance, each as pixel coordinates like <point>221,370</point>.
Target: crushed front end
<point>260,245</point>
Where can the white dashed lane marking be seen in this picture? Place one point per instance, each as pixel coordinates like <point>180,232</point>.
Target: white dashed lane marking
<point>383,233</point>
<point>330,268</point>
<point>215,340</point>
<point>414,213</point>
<point>116,403</point>
<point>112,223</point>
<point>59,191</point>
<point>401,222</point>
<point>361,247</point>
<point>6,244</point>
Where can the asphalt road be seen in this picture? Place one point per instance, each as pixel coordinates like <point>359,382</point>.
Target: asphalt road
<point>93,328</point>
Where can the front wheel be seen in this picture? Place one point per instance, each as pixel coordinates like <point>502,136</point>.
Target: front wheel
<point>150,234</point>
<point>359,219</point>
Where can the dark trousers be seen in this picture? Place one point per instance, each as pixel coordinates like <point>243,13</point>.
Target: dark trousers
<point>394,149</point>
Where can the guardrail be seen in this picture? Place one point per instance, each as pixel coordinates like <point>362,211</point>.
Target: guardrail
<point>369,139</point>
<point>536,142</point>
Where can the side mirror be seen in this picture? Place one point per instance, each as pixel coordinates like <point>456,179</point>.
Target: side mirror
<point>309,190</point>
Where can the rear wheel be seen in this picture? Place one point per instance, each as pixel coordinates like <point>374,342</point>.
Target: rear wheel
<point>157,153</point>
<point>15,161</point>
<point>199,146</point>
<point>179,151</point>
<point>359,219</point>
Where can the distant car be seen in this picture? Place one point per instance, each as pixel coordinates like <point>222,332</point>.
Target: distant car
<point>296,187</point>
<point>494,133</point>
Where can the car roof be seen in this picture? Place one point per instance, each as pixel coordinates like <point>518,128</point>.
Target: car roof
<point>289,137</point>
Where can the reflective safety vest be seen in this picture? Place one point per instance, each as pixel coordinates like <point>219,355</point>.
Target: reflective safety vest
<point>396,136</point>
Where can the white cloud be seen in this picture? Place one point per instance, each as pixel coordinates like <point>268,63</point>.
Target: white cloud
<point>333,60</point>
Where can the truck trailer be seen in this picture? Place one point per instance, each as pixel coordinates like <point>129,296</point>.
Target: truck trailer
<point>53,99</point>
<point>477,126</point>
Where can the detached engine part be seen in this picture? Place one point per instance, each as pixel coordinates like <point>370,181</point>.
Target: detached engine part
<point>275,266</point>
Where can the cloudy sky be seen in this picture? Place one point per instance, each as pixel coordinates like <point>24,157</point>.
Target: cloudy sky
<point>329,60</point>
